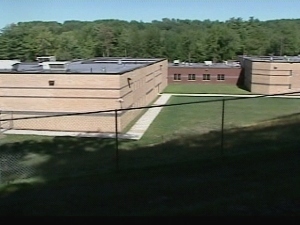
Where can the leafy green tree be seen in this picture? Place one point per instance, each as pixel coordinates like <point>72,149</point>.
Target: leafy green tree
<point>67,47</point>
<point>187,40</point>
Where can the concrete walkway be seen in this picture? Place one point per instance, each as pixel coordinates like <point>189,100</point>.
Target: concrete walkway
<point>140,127</point>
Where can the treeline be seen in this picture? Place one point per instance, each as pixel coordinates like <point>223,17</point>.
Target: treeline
<point>187,40</point>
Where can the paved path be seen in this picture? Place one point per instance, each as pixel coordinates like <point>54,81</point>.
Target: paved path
<point>141,126</point>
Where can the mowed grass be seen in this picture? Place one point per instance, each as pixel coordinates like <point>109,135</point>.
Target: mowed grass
<point>205,89</point>
<point>206,115</point>
<point>177,168</point>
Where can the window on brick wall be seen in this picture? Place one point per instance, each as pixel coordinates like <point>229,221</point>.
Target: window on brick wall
<point>206,76</point>
<point>51,82</point>
<point>177,76</point>
<point>191,77</point>
<point>221,77</point>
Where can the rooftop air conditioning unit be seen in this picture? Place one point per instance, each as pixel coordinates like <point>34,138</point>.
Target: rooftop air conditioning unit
<point>8,64</point>
<point>55,66</point>
<point>176,62</point>
<point>41,59</point>
<point>207,63</point>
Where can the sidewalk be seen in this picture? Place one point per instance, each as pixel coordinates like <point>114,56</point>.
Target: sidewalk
<point>141,126</point>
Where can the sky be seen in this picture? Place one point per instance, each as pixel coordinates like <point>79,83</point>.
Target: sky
<point>14,11</point>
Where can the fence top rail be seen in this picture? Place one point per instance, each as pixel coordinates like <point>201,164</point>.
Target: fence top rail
<point>152,106</point>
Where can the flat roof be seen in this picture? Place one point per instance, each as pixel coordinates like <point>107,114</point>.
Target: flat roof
<point>283,59</point>
<point>203,65</point>
<point>91,66</point>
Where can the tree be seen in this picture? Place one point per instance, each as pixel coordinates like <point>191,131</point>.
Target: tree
<point>106,39</point>
<point>67,47</point>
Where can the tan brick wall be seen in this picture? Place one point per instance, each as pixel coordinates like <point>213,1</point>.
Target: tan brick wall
<point>280,80</point>
<point>57,104</point>
<point>278,89</point>
<point>260,88</point>
<point>83,123</point>
<point>295,79</point>
<point>271,77</point>
<point>55,92</point>
<point>271,72</point>
<point>260,79</point>
<point>80,93</point>
<point>71,92</point>
<point>145,84</point>
<point>61,80</point>
<point>261,65</point>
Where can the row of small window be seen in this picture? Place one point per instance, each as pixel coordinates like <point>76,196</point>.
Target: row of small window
<point>204,77</point>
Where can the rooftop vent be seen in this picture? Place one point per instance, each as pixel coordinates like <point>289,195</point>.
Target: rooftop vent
<point>176,62</point>
<point>207,63</point>
<point>8,64</point>
<point>42,59</point>
<point>55,66</point>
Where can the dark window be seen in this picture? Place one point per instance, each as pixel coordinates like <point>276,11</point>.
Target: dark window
<point>221,77</point>
<point>51,82</point>
<point>177,76</point>
<point>206,76</point>
<point>192,77</point>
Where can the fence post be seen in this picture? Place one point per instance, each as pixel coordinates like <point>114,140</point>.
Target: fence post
<point>117,140</point>
<point>0,170</point>
<point>222,126</point>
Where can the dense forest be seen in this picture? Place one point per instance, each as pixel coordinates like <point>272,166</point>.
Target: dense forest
<point>188,40</point>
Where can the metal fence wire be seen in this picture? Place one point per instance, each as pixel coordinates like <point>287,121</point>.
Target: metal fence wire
<point>67,157</point>
<point>12,168</point>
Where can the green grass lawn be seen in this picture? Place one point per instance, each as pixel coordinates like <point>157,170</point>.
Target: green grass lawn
<point>204,89</point>
<point>204,117</point>
<point>176,169</point>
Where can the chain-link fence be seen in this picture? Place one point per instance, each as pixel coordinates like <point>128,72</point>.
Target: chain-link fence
<point>188,128</point>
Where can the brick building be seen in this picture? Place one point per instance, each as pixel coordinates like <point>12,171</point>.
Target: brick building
<point>204,73</point>
<point>48,88</point>
<point>271,74</point>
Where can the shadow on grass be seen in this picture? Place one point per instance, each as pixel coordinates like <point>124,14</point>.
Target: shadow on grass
<point>274,135</point>
<point>188,175</point>
<point>57,157</point>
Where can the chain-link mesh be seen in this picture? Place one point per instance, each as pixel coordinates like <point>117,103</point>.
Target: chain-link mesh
<point>12,168</point>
